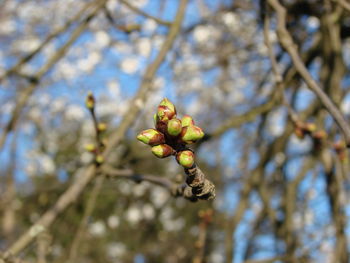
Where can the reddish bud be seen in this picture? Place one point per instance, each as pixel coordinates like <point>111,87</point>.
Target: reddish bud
<point>319,135</point>
<point>174,127</point>
<point>339,146</point>
<point>299,133</point>
<point>167,103</point>
<point>151,137</point>
<point>191,134</point>
<point>162,150</point>
<point>187,121</point>
<point>185,158</point>
<point>164,113</point>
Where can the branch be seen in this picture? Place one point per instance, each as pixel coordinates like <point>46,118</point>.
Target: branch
<point>288,44</point>
<point>28,57</point>
<point>174,189</point>
<point>75,190</point>
<point>141,12</point>
<point>24,97</point>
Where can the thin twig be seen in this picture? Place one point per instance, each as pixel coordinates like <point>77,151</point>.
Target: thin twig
<point>289,45</point>
<point>26,94</point>
<point>57,32</point>
<point>75,190</point>
<point>141,12</point>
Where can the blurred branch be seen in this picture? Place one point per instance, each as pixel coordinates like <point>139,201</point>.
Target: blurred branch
<point>141,12</point>
<point>75,190</point>
<point>24,96</point>
<point>238,120</point>
<point>289,45</point>
<point>206,217</point>
<point>98,183</point>
<point>8,216</point>
<point>344,4</point>
<point>174,188</point>
<point>89,207</point>
<point>43,243</point>
<point>270,260</point>
<point>15,69</point>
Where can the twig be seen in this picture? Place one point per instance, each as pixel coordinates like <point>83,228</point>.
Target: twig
<point>141,12</point>
<point>289,45</point>
<point>275,70</point>
<point>75,190</point>
<point>91,202</point>
<point>90,205</point>
<point>25,95</point>
<point>344,4</point>
<point>28,57</point>
<point>174,189</point>
<point>206,217</point>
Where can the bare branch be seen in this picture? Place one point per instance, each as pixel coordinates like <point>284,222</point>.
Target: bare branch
<point>75,190</point>
<point>289,45</point>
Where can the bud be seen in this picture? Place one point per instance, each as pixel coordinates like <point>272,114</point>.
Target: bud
<point>166,110</point>
<point>101,127</point>
<point>319,135</point>
<point>151,137</point>
<point>162,150</point>
<point>90,147</point>
<point>299,133</point>
<point>99,159</point>
<point>155,120</point>
<point>164,113</point>
<point>174,127</point>
<point>187,121</point>
<point>191,134</point>
<point>185,158</point>
<point>167,103</point>
<point>162,126</point>
<point>90,101</point>
<point>310,127</point>
<point>339,146</point>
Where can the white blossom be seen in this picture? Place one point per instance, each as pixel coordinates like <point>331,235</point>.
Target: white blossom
<point>113,221</point>
<point>130,65</point>
<point>97,229</point>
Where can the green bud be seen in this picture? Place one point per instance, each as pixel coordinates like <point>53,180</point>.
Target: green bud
<point>90,101</point>
<point>165,114</point>
<point>185,158</point>
<point>151,137</point>
<point>90,147</point>
<point>99,159</point>
<point>167,103</point>
<point>155,119</point>
<point>101,127</point>
<point>191,134</point>
<point>174,127</point>
<point>162,150</point>
<point>187,121</point>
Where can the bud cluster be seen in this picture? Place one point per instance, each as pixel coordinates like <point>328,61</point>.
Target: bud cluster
<point>171,134</point>
<point>309,128</point>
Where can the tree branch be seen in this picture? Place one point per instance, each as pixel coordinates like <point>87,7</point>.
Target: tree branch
<point>289,45</point>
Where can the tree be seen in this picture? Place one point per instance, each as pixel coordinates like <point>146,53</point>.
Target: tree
<point>266,81</point>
